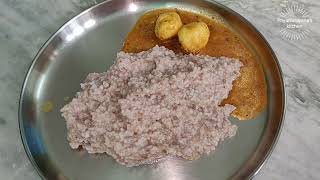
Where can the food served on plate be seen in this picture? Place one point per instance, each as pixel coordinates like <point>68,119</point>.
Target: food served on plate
<point>249,93</point>
<point>194,36</point>
<point>167,25</point>
<point>167,100</point>
<point>154,104</point>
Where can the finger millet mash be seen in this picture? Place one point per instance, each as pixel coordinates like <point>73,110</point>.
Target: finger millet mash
<point>158,101</point>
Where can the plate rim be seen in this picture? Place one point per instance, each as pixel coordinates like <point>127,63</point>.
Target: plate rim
<point>262,161</point>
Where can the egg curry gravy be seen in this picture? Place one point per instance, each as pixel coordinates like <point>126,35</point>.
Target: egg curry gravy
<point>248,94</point>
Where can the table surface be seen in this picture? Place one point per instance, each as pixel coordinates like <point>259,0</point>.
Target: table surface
<point>26,24</point>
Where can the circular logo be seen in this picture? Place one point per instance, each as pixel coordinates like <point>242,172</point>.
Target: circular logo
<point>294,20</point>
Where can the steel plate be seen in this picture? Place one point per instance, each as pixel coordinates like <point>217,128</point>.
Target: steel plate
<point>89,43</point>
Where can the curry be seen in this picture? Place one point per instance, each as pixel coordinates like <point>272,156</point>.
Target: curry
<point>249,92</point>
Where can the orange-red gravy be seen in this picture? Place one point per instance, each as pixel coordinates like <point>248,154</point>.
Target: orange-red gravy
<point>248,94</point>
